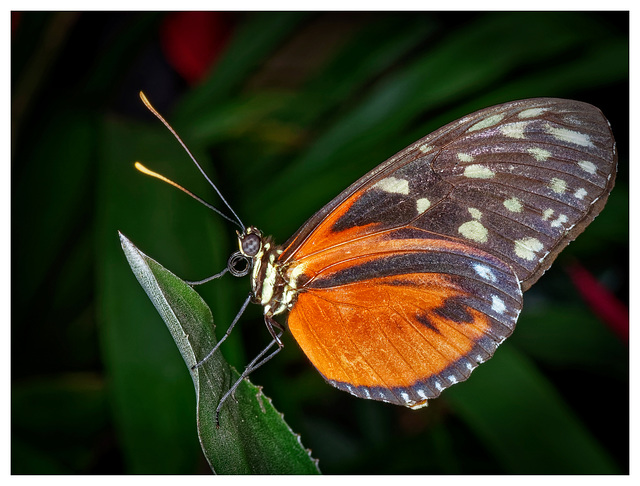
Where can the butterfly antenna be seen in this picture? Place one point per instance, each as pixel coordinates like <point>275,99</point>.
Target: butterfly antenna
<point>149,172</point>
<point>158,176</point>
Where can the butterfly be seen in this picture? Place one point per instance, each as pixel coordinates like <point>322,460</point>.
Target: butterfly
<point>412,276</point>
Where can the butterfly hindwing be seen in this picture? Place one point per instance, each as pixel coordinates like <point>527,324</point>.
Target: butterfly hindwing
<point>414,274</point>
<point>409,314</point>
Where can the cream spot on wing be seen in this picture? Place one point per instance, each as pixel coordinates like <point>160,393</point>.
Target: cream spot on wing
<point>422,205</point>
<point>526,248</point>
<point>514,205</point>
<point>539,154</point>
<point>587,166</point>
<point>580,193</point>
<point>531,112</point>
<point>475,213</point>
<point>465,157</point>
<point>571,136</point>
<point>572,120</point>
<point>477,171</point>
<point>497,305</point>
<point>514,130</point>
<point>559,221</point>
<point>485,272</point>
<point>547,214</point>
<point>558,185</point>
<point>487,122</point>
<point>393,185</point>
<point>425,149</point>
<point>473,230</point>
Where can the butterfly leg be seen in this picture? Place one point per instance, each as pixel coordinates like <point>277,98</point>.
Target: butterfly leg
<point>208,279</point>
<point>226,334</point>
<point>276,330</point>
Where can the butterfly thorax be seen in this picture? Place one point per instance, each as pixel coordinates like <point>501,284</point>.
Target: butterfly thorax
<point>268,285</point>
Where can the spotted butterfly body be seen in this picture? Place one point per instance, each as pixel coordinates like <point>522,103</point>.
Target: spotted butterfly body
<point>412,276</point>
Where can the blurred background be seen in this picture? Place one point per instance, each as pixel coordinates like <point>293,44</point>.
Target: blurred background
<point>284,110</point>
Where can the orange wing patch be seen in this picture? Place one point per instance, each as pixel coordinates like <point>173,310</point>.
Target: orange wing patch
<point>354,252</point>
<point>324,237</point>
<point>400,339</point>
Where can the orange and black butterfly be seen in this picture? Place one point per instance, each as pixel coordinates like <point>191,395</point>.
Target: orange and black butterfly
<point>412,276</point>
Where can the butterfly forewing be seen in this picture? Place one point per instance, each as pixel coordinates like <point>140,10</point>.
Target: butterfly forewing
<point>520,179</point>
<point>526,180</point>
<point>414,274</point>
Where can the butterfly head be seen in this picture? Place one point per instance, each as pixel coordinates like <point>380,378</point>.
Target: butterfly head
<point>250,242</point>
<point>260,257</point>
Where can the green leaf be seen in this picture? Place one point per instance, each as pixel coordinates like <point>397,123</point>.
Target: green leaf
<point>253,437</point>
<point>151,396</point>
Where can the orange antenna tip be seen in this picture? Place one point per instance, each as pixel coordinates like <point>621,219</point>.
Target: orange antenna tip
<point>146,101</point>
<point>150,107</point>
<point>151,173</point>
<point>146,171</point>
<point>143,169</point>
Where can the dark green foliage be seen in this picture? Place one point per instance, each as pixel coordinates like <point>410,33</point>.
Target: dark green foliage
<point>298,107</point>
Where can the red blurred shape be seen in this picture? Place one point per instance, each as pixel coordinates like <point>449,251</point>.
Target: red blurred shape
<point>602,302</point>
<point>15,20</point>
<point>193,41</point>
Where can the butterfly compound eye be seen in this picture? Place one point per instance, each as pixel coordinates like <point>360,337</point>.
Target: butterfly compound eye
<point>251,245</point>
